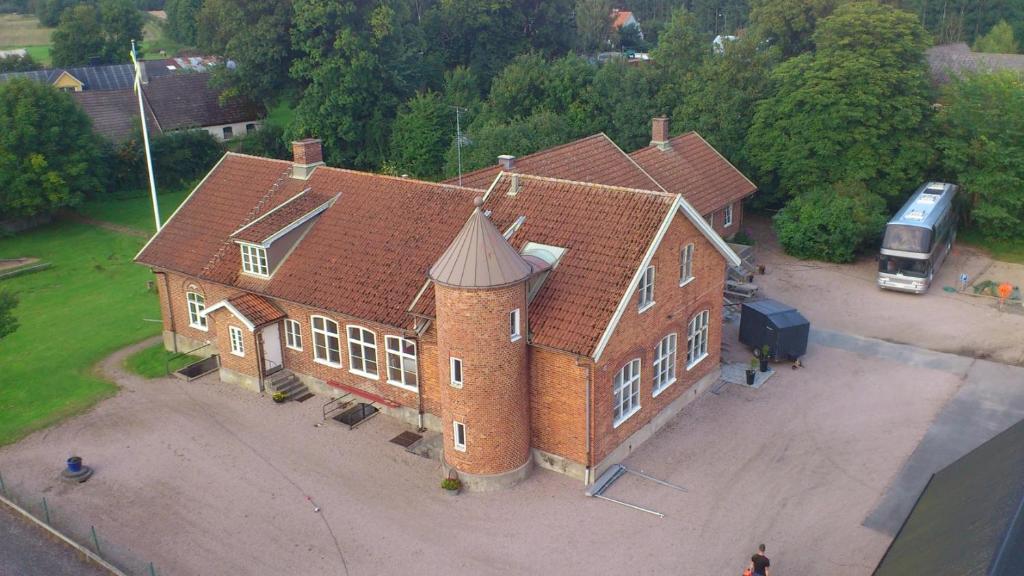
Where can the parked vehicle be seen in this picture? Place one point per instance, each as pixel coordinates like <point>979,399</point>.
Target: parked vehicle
<point>918,239</point>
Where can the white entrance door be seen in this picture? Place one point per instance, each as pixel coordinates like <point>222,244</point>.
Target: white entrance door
<point>271,338</point>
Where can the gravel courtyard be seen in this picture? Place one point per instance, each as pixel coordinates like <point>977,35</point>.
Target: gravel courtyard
<point>206,478</point>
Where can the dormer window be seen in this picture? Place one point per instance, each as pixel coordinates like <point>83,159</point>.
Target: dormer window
<point>254,260</point>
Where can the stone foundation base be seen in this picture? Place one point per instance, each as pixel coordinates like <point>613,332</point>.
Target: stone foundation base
<point>559,464</point>
<point>246,381</point>
<point>659,420</point>
<point>404,413</point>
<point>492,482</point>
<point>176,342</point>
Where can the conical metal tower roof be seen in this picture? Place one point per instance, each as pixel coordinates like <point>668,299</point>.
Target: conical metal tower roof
<point>479,257</point>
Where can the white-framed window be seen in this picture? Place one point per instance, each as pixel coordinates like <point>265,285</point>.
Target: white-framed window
<point>665,363</point>
<point>362,352</point>
<point>727,216</point>
<point>645,291</point>
<point>697,339</point>
<point>626,391</point>
<point>196,305</point>
<point>686,264</point>
<point>459,435</point>
<point>455,369</point>
<point>237,344</point>
<point>513,325</point>
<point>326,341</point>
<point>403,370</point>
<point>254,260</point>
<point>293,334</point>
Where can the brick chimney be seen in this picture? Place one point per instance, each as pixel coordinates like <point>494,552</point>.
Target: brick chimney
<point>307,154</point>
<point>659,132</point>
<point>507,163</point>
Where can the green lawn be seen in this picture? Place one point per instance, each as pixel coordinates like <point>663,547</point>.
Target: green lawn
<point>281,114</point>
<point>92,302</point>
<point>152,362</point>
<point>1011,250</point>
<point>135,212</point>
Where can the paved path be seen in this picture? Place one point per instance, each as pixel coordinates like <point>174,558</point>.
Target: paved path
<point>990,400</point>
<point>28,550</point>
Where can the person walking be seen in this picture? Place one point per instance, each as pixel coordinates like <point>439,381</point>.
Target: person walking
<point>759,563</point>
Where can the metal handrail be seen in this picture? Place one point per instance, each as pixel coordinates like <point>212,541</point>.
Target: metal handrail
<point>167,364</point>
<point>337,402</point>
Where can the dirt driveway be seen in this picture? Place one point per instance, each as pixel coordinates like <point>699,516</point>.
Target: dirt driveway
<point>206,478</point>
<point>846,298</point>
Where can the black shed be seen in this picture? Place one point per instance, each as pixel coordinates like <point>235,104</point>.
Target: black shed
<point>776,325</point>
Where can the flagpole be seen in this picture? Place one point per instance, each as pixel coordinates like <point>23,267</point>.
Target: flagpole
<point>145,137</point>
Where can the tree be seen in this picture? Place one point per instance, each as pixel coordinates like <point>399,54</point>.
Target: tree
<point>255,35</point>
<point>857,110</point>
<point>15,63</point>
<point>789,24</point>
<point>981,123</point>
<point>630,38</point>
<point>49,156</point>
<point>999,40</point>
<point>96,34</point>
<point>592,24</point>
<point>79,37</point>
<point>181,19</point>
<point>622,99</point>
<point>720,102</point>
<point>680,52</point>
<point>49,11</point>
<point>8,323</point>
<point>421,136</point>
<point>488,137</point>
<point>831,223</point>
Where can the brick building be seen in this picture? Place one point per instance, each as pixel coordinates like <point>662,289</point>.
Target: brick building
<point>546,321</point>
<point>685,164</point>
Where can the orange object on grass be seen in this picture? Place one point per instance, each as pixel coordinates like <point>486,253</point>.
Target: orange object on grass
<point>1005,289</point>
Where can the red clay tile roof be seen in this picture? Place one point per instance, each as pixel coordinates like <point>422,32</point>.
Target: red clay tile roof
<point>592,159</point>
<point>620,17</point>
<point>256,308</point>
<point>693,168</point>
<point>366,256</point>
<point>606,232</point>
<point>280,217</point>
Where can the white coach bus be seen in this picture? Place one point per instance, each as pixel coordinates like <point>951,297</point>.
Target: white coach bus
<point>918,239</point>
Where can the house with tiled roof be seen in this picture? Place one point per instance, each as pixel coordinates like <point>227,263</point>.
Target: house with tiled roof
<point>541,321</point>
<point>685,165</point>
<point>622,18</point>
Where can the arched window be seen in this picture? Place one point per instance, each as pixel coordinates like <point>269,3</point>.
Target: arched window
<point>665,363</point>
<point>196,306</point>
<point>626,391</point>
<point>326,341</point>
<point>697,339</point>
<point>362,352</point>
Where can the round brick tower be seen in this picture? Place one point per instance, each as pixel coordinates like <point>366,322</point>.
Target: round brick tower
<point>480,294</point>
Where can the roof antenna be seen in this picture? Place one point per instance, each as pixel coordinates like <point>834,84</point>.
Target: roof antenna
<point>458,136</point>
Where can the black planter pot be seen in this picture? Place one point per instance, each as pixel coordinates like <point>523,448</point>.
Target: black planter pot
<point>750,377</point>
<point>764,364</point>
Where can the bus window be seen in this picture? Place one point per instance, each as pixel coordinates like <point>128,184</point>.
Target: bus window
<point>904,266</point>
<point>907,238</point>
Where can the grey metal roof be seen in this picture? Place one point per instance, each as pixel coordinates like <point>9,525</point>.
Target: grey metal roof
<point>969,520</point>
<point>479,257</point>
<point>930,211</point>
<point>781,315</point>
<point>107,77</point>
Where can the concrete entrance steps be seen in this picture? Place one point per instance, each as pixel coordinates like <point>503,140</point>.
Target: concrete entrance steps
<point>285,381</point>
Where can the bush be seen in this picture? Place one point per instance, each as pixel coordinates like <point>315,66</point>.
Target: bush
<point>15,63</point>
<point>451,484</point>
<point>178,158</point>
<point>831,224</point>
<point>268,142</point>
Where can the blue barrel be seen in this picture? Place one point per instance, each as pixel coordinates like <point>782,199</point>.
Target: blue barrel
<point>74,464</point>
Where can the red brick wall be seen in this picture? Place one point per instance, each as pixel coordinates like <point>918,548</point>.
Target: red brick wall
<point>248,364</point>
<point>637,334</point>
<point>173,300</point>
<point>473,325</point>
<point>737,220</point>
<point>558,404</point>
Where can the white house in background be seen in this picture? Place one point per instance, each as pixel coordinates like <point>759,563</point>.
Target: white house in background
<point>622,18</point>
<point>718,44</point>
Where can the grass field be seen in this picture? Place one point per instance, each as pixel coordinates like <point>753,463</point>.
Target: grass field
<point>152,362</point>
<point>92,302</point>
<point>281,114</point>
<point>1010,250</point>
<point>24,31</point>
<point>134,212</point>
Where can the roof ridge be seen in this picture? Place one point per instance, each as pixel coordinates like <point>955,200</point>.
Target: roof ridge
<point>254,157</point>
<point>607,187</point>
<point>401,178</point>
<point>538,152</point>
<point>249,217</point>
<point>638,166</point>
